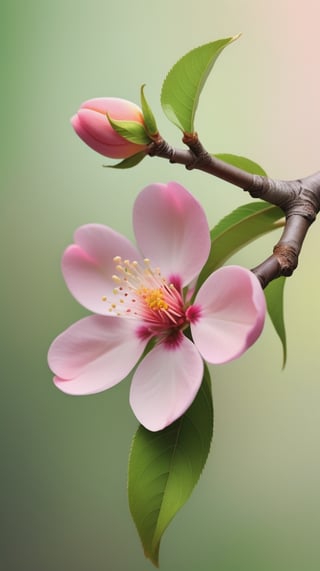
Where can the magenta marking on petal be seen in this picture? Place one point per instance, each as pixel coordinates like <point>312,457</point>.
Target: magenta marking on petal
<point>173,340</point>
<point>176,281</point>
<point>193,313</point>
<point>143,333</point>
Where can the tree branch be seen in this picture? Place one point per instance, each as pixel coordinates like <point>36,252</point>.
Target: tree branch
<point>299,199</point>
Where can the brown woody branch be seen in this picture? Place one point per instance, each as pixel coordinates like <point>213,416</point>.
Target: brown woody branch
<point>299,199</point>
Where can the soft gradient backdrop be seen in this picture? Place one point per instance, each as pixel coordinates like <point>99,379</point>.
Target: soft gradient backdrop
<point>64,459</point>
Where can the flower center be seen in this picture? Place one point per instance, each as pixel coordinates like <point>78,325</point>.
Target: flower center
<point>153,298</point>
<point>142,293</point>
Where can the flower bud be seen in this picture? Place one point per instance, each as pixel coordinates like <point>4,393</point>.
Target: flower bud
<point>93,127</point>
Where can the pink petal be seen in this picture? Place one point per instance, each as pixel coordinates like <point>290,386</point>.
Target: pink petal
<point>172,230</point>
<point>88,265</point>
<point>93,127</point>
<point>94,354</point>
<point>165,384</point>
<point>87,137</point>
<point>99,127</point>
<point>117,108</point>
<point>95,130</point>
<point>232,312</point>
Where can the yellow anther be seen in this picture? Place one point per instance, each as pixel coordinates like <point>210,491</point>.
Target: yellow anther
<point>153,298</point>
<point>104,298</point>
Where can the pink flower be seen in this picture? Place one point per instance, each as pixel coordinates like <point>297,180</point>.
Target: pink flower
<point>93,127</point>
<point>138,297</point>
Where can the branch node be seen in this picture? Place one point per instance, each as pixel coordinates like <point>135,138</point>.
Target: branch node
<point>304,205</point>
<point>287,258</point>
<point>190,139</point>
<point>160,148</point>
<point>200,156</point>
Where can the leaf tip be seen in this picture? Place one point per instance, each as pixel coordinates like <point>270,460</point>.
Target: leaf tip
<point>284,359</point>
<point>236,37</point>
<point>153,555</point>
<point>129,162</point>
<point>154,560</point>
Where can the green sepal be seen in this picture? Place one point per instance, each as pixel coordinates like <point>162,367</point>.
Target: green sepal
<point>182,87</point>
<point>242,163</point>
<point>148,116</point>
<point>131,131</point>
<point>165,466</point>
<point>236,230</point>
<point>129,162</point>
<point>274,293</point>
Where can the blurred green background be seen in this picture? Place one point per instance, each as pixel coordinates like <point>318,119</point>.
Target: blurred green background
<point>64,459</point>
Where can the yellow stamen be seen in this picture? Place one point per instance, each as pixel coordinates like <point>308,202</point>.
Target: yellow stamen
<point>154,298</point>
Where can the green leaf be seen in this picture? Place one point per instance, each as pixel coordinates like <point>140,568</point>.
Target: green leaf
<point>129,162</point>
<point>274,297</point>
<point>182,87</point>
<point>238,229</point>
<point>148,116</point>
<point>164,467</point>
<point>242,163</point>
<point>131,131</point>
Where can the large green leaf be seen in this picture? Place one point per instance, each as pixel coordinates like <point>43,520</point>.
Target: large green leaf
<point>164,467</point>
<point>242,163</point>
<point>237,229</point>
<point>182,87</point>
<point>274,296</point>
